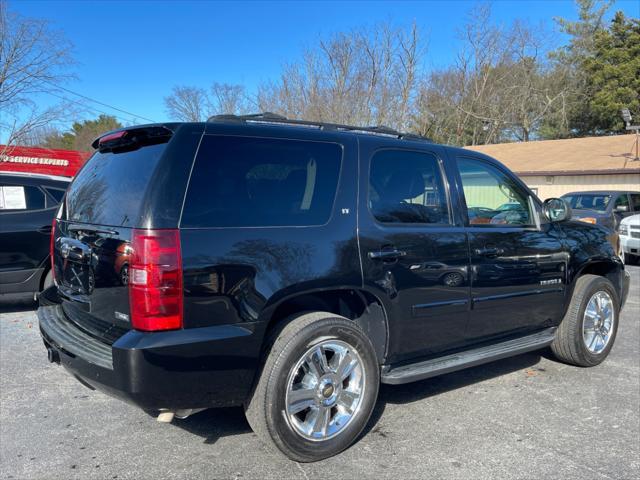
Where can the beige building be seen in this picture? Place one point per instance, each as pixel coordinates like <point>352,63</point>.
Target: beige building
<point>555,167</point>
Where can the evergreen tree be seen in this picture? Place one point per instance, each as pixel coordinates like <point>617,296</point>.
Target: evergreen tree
<point>82,134</point>
<point>613,75</point>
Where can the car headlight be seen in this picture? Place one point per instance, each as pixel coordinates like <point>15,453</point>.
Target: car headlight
<point>588,220</point>
<point>624,230</point>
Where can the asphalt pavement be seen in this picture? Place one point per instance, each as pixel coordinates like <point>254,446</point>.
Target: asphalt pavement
<point>523,417</point>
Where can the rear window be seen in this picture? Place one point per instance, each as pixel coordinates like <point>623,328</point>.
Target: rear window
<point>258,182</point>
<point>110,187</point>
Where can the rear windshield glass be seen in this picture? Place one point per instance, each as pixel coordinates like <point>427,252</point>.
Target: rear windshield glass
<point>110,187</point>
<point>255,182</point>
<point>590,202</point>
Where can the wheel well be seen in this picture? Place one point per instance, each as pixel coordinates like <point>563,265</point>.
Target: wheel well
<point>357,305</point>
<point>43,276</point>
<point>609,270</point>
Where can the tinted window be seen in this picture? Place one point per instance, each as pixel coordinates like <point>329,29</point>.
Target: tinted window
<point>110,187</point>
<point>407,187</point>
<point>55,193</point>
<point>635,201</point>
<point>254,182</point>
<point>493,197</point>
<point>19,197</point>
<point>622,201</point>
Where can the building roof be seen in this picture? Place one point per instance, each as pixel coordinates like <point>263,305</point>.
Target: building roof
<point>591,155</point>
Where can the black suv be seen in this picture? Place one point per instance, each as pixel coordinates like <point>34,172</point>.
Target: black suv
<point>292,266</point>
<point>28,204</point>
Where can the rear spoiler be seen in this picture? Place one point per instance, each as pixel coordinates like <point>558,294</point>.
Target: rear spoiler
<point>132,138</point>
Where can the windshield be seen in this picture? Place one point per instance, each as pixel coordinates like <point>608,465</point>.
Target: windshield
<point>588,201</point>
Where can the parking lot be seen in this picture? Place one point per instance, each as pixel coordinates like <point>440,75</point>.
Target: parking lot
<point>524,417</point>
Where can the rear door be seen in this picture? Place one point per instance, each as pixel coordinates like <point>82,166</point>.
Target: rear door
<point>25,225</point>
<point>414,256</point>
<point>518,267</point>
<point>114,193</point>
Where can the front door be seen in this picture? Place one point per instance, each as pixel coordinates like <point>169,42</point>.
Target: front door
<point>622,208</point>
<point>414,257</point>
<point>518,266</point>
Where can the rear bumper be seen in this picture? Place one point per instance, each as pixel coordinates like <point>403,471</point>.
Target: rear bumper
<point>191,368</point>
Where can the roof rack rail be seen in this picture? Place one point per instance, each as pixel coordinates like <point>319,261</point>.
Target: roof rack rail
<point>269,117</point>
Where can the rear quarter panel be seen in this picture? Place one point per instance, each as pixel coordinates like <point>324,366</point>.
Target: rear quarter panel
<point>240,275</point>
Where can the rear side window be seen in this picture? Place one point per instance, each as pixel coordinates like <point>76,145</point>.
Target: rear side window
<point>635,201</point>
<point>260,182</point>
<point>19,197</point>
<point>55,193</point>
<point>110,187</point>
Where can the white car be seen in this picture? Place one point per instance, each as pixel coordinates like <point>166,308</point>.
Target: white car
<point>629,231</point>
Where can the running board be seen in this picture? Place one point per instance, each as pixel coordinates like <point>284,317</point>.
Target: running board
<point>470,358</point>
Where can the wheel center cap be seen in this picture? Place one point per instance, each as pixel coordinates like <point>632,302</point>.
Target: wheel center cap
<point>328,390</point>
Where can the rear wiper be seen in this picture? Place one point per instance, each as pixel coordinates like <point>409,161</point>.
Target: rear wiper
<point>78,228</point>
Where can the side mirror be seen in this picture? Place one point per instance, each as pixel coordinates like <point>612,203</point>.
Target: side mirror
<point>556,210</point>
<point>622,209</point>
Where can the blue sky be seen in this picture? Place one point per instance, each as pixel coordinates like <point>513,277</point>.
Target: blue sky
<point>130,54</point>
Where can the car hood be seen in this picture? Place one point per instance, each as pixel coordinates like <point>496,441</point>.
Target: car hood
<point>632,220</point>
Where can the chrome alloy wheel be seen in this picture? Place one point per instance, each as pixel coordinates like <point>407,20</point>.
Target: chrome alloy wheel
<point>325,390</point>
<point>598,322</point>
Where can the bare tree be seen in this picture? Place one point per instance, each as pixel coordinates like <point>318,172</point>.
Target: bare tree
<point>500,88</point>
<point>187,104</point>
<point>34,59</point>
<point>194,104</point>
<point>229,99</point>
<point>366,76</point>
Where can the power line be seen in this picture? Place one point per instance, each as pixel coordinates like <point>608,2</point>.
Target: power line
<point>98,102</point>
<point>93,109</point>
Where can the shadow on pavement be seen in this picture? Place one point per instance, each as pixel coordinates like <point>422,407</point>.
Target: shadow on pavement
<point>412,392</point>
<point>216,423</point>
<point>15,304</point>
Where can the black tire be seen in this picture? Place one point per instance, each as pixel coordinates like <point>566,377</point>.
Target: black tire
<point>569,345</point>
<point>266,408</point>
<point>48,280</point>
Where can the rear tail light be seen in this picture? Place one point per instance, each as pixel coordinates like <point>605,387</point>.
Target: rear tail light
<point>155,280</point>
<point>52,243</point>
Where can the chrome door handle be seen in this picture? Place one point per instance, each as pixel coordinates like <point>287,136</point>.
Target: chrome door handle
<point>489,251</point>
<point>391,254</point>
